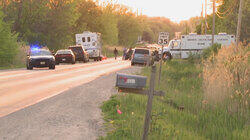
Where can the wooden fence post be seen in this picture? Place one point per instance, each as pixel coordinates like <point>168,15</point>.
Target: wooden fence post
<point>149,104</point>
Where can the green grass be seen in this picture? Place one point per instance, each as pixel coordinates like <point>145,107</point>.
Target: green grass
<point>12,67</point>
<point>182,83</point>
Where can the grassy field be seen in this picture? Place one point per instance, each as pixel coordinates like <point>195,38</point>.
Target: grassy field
<point>109,50</point>
<point>182,83</point>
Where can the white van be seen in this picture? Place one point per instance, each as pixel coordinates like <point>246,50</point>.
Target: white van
<point>92,43</point>
<point>194,44</point>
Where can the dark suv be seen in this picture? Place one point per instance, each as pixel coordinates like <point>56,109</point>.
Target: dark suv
<point>40,58</point>
<point>142,56</point>
<point>80,53</point>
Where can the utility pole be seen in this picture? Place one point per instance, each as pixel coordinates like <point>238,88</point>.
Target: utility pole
<point>202,20</point>
<point>205,17</point>
<point>239,23</point>
<point>213,22</point>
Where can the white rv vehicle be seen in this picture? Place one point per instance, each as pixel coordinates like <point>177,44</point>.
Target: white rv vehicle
<point>92,43</point>
<point>194,44</point>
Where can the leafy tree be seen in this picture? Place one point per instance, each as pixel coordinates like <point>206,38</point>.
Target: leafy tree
<point>129,29</point>
<point>108,22</point>
<point>54,23</point>
<point>8,43</point>
<point>61,18</point>
<point>88,12</point>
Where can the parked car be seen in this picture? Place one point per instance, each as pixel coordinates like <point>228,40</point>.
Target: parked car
<point>65,56</point>
<point>80,53</point>
<point>40,58</point>
<point>142,56</point>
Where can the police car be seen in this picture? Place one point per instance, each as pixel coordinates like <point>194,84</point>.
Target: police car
<point>40,58</point>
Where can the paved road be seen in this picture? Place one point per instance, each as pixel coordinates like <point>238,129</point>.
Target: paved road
<point>22,88</point>
<point>72,115</point>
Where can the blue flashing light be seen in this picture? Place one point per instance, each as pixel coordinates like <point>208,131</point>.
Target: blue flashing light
<point>35,47</point>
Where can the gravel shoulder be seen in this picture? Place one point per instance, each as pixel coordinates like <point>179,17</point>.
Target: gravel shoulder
<point>73,114</point>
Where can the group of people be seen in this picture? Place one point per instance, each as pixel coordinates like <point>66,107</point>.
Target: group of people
<point>127,53</point>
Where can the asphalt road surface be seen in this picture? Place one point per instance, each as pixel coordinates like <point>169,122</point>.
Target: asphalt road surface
<point>71,115</point>
<point>22,88</point>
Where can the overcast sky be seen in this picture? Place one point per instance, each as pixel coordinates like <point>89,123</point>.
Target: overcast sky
<point>175,10</point>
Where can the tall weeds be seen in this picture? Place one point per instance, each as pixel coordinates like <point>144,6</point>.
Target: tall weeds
<point>226,78</point>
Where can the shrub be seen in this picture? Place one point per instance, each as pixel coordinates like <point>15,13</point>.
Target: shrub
<point>194,58</point>
<point>213,50</point>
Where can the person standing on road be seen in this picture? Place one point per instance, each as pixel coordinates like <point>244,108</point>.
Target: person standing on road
<point>115,53</point>
<point>124,53</point>
<point>130,53</point>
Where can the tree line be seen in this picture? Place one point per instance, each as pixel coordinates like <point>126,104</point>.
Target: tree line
<point>55,22</point>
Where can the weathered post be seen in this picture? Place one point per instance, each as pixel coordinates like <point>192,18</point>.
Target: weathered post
<point>239,22</point>
<point>149,104</point>
<point>213,28</point>
<point>162,40</point>
<point>159,78</point>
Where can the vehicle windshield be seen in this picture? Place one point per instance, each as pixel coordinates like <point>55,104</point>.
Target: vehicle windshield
<point>174,43</point>
<point>40,52</point>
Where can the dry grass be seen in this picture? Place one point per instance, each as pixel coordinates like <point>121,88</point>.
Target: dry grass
<point>226,77</point>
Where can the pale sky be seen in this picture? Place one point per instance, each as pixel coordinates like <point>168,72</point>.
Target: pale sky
<point>175,10</point>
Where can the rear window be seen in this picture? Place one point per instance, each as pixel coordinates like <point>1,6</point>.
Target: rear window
<point>141,51</point>
<point>76,50</point>
<point>64,52</point>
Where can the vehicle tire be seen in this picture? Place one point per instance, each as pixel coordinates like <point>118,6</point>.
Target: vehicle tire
<point>57,63</point>
<point>132,64</point>
<point>73,61</point>
<point>84,60</point>
<point>52,66</point>
<point>29,67</point>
